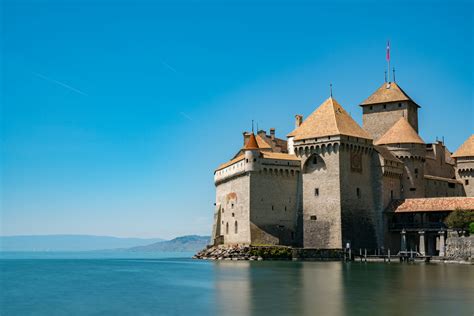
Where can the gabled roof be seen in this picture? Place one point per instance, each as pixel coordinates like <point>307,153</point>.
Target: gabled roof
<point>252,142</point>
<point>466,149</point>
<point>388,92</point>
<point>278,156</point>
<point>262,143</point>
<point>441,204</point>
<point>329,119</point>
<point>264,154</point>
<point>231,162</point>
<point>400,133</point>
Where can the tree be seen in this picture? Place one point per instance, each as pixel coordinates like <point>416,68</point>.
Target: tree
<point>460,219</point>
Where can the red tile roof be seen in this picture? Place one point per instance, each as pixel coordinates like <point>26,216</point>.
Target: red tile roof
<point>252,142</point>
<point>441,204</point>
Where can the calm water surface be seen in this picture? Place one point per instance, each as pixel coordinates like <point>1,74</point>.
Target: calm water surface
<point>139,284</point>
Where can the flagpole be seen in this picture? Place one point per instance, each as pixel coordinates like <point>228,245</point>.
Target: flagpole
<point>388,60</point>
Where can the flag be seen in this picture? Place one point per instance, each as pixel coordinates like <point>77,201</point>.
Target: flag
<point>388,50</point>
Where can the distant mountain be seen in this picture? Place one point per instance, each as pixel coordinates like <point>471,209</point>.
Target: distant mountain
<point>191,243</point>
<point>69,242</point>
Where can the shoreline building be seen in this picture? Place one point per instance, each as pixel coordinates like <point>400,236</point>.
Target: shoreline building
<point>333,182</point>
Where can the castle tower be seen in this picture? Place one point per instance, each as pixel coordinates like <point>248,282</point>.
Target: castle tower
<point>465,165</point>
<point>251,152</point>
<point>405,143</point>
<point>338,201</point>
<point>385,107</point>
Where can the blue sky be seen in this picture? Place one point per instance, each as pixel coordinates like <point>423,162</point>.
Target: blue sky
<point>115,114</point>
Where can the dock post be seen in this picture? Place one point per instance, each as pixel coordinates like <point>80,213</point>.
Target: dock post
<point>360,254</point>
<point>388,254</point>
<point>365,254</point>
<point>350,254</point>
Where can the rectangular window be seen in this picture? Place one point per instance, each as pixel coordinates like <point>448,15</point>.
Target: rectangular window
<point>451,185</point>
<point>391,195</point>
<point>313,217</point>
<point>358,192</point>
<point>412,189</point>
<point>315,160</point>
<point>316,192</point>
<point>466,182</point>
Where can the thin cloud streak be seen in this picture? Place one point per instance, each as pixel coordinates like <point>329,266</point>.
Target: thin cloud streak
<point>186,116</point>
<point>62,84</point>
<point>168,66</point>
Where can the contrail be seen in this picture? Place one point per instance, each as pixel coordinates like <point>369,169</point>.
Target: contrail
<point>168,66</point>
<point>60,83</point>
<point>186,116</point>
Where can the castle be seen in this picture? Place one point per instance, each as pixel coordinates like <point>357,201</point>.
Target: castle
<point>333,183</point>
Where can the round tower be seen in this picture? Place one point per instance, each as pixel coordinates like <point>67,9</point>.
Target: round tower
<point>252,154</point>
<point>465,165</point>
<point>405,143</point>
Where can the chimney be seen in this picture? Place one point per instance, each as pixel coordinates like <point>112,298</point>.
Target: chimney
<point>299,120</point>
<point>246,137</point>
<point>272,133</point>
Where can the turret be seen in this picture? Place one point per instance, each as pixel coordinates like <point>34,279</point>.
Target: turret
<point>465,165</point>
<point>405,143</point>
<point>252,154</point>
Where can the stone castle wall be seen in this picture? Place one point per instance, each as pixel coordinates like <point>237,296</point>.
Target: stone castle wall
<point>358,201</point>
<point>233,203</point>
<point>273,201</point>
<point>321,197</point>
<point>465,174</point>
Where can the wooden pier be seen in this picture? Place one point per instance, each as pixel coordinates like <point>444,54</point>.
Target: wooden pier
<point>378,256</point>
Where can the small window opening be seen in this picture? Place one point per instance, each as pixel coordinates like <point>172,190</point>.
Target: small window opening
<point>413,189</point>
<point>313,217</point>
<point>246,160</point>
<point>272,208</point>
<point>227,228</point>
<point>391,194</point>
<point>233,215</point>
<point>466,182</point>
<point>254,159</point>
<point>358,192</point>
<point>371,107</point>
<point>236,227</point>
<point>451,185</point>
<point>316,192</point>
<point>232,205</point>
<point>315,160</point>
<point>399,105</point>
<point>285,208</point>
<point>384,106</point>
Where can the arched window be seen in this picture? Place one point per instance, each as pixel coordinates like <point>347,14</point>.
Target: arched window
<point>227,228</point>
<point>236,227</point>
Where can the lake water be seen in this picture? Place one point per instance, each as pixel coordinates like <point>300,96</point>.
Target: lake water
<point>165,284</point>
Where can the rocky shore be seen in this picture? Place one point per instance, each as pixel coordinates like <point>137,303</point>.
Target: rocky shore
<point>242,252</point>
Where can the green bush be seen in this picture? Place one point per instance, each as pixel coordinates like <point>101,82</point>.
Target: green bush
<point>274,252</point>
<point>460,219</point>
<point>471,228</point>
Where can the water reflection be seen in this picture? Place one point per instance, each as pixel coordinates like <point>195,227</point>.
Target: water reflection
<point>334,288</point>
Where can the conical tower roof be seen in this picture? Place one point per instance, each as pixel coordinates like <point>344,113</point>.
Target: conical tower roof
<point>466,149</point>
<point>400,133</point>
<point>388,92</point>
<point>329,119</point>
<point>251,143</point>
